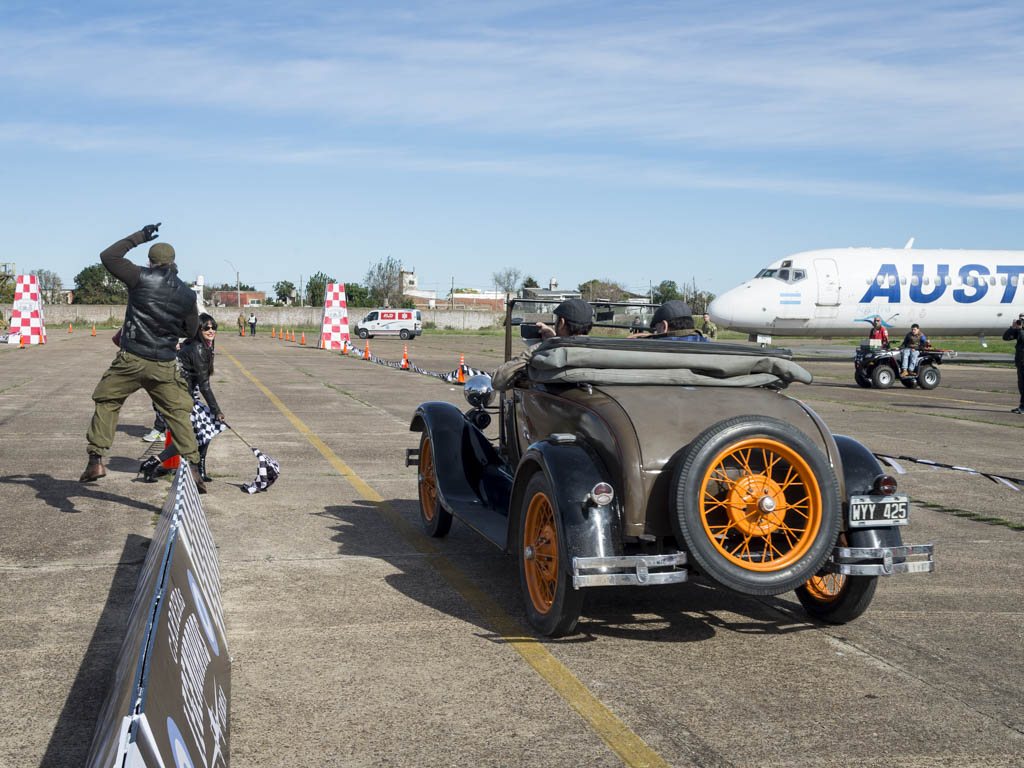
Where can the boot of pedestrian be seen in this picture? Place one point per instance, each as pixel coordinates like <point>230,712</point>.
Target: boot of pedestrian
<point>200,485</point>
<point>202,463</point>
<point>149,469</point>
<point>93,470</point>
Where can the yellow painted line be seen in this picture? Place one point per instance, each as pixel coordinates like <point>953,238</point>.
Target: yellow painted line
<point>619,737</point>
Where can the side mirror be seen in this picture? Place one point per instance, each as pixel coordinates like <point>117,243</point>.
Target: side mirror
<point>478,390</point>
<point>604,315</point>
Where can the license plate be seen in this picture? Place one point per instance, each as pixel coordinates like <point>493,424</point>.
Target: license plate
<point>871,511</point>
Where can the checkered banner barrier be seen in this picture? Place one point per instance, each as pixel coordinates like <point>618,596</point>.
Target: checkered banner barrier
<point>1010,482</point>
<point>334,326</point>
<point>27,326</point>
<point>168,702</point>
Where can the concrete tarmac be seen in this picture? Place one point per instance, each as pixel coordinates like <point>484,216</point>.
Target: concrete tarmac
<point>358,642</point>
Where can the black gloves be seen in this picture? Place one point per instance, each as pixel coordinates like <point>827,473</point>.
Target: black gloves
<point>149,232</point>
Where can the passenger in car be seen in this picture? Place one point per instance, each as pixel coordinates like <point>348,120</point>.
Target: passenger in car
<point>573,317</point>
<point>672,317</point>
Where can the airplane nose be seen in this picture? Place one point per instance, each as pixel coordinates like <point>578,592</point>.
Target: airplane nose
<point>723,308</point>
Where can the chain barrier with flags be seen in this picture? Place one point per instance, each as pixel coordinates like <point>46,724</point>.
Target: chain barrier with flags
<point>894,462</point>
<point>449,376</point>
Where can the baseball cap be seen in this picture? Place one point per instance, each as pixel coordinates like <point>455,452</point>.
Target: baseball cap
<point>575,311</point>
<point>161,253</point>
<point>670,310</point>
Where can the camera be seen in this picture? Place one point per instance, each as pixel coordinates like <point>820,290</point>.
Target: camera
<point>529,331</point>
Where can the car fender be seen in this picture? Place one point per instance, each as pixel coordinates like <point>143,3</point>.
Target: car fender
<point>860,470</point>
<point>572,472</point>
<point>444,423</point>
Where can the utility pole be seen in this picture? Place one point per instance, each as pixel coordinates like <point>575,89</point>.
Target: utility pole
<point>452,294</point>
<point>238,286</point>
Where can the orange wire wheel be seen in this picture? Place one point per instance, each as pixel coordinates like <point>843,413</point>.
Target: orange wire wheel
<point>540,545</point>
<point>826,587</point>
<point>553,605</point>
<point>757,504</point>
<point>436,520</point>
<point>760,504</point>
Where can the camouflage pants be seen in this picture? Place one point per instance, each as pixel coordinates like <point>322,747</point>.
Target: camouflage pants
<point>165,385</point>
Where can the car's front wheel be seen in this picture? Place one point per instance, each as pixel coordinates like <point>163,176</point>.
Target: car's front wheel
<point>835,598</point>
<point>757,505</point>
<point>552,604</point>
<point>437,521</point>
<point>363,333</point>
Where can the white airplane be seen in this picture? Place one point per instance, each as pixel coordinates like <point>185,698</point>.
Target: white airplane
<point>838,291</point>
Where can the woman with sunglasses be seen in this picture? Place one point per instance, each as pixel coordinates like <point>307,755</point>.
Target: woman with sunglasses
<point>196,359</point>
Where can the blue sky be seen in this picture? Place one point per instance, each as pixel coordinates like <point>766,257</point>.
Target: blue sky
<point>636,142</point>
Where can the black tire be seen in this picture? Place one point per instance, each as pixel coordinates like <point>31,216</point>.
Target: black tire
<point>836,599</point>
<point>861,379</point>
<point>404,335</point>
<point>928,377</point>
<point>722,496</point>
<point>552,604</point>
<point>363,333</point>
<point>883,376</point>
<point>908,382</point>
<point>437,521</point>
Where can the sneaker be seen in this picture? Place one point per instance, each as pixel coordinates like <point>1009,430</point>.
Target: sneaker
<point>1017,410</point>
<point>152,436</point>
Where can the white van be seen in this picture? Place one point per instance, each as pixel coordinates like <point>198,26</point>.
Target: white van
<point>404,323</point>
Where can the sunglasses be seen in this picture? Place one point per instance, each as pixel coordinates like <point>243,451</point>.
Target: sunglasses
<point>209,327</point>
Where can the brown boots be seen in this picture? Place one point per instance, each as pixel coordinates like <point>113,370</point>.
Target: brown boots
<point>93,470</point>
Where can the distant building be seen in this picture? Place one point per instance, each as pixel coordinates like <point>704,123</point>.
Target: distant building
<point>492,300</point>
<point>231,298</point>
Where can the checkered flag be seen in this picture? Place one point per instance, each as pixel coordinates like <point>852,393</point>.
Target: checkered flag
<point>265,475</point>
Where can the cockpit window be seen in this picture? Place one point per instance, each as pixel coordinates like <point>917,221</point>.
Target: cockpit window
<point>799,274</point>
<point>766,273</point>
<point>786,274</point>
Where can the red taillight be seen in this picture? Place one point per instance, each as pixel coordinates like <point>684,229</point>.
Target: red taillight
<point>885,485</point>
<point>602,494</point>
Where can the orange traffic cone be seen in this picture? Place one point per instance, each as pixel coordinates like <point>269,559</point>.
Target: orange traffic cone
<point>291,336</point>
<point>69,328</point>
<point>21,341</point>
<point>344,347</point>
<point>174,461</point>
<point>94,330</point>
<point>323,342</point>
<point>405,357</point>
<point>366,354</point>
<point>243,330</point>
<point>273,333</point>
<point>462,364</point>
<point>303,342</point>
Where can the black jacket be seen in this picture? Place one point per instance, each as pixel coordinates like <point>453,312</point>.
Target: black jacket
<point>1016,334</point>
<point>161,308</point>
<point>196,365</point>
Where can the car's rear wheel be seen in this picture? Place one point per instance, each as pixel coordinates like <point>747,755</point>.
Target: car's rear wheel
<point>883,376</point>
<point>552,604</point>
<point>757,505</point>
<point>404,334</point>
<point>928,377</point>
<point>437,521</point>
<point>835,598</point>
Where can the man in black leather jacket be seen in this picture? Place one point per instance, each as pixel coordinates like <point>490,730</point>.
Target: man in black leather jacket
<point>161,308</point>
<point>1016,333</point>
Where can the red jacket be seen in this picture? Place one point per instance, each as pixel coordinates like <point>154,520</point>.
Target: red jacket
<point>879,333</point>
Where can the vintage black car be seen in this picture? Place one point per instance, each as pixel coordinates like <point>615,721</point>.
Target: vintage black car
<point>643,461</point>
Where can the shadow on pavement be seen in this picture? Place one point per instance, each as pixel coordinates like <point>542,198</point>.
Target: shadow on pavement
<point>682,613</point>
<point>72,736</point>
<point>59,493</point>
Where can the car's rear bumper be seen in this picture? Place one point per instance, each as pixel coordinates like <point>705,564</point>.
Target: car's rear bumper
<point>635,570</point>
<point>882,561</point>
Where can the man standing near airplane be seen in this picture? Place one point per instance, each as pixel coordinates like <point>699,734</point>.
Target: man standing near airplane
<point>878,331</point>
<point>1016,333</point>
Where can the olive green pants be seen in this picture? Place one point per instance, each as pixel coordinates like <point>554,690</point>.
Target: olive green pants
<point>165,385</point>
